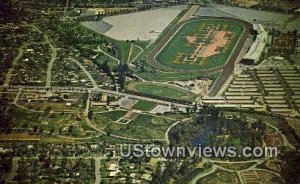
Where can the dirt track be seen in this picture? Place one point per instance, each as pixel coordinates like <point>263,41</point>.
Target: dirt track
<point>228,69</point>
<point>229,66</point>
<point>191,11</point>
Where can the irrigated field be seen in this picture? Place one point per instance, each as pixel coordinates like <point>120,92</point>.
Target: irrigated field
<point>201,44</point>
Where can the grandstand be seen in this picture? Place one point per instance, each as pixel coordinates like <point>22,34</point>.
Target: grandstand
<point>258,47</point>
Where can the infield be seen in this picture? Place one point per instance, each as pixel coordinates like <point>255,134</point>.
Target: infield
<point>161,90</point>
<point>201,44</point>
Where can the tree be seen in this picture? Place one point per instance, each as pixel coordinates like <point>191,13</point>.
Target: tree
<point>51,131</point>
<point>90,114</point>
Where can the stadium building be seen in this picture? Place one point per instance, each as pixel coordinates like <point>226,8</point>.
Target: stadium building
<point>258,46</point>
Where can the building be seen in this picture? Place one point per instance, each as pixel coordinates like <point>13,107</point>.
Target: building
<point>258,46</point>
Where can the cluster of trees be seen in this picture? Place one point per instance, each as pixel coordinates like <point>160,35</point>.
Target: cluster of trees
<point>290,166</point>
<point>55,170</point>
<point>209,126</point>
<point>6,122</point>
<point>123,70</point>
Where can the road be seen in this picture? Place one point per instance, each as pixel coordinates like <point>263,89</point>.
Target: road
<point>108,55</point>
<point>88,103</point>
<point>85,71</point>
<point>142,50</point>
<point>9,74</point>
<point>202,175</point>
<point>53,54</point>
<point>97,170</point>
<point>174,124</point>
<point>105,91</point>
<point>50,64</point>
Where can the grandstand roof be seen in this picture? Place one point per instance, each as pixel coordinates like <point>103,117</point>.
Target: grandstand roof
<point>259,44</point>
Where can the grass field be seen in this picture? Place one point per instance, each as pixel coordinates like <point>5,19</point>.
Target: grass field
<point>114,115</point>
<point>154,74</point>
<point>176,52</point>
<point>161,90</point>
<point>142,127</point>
<point>144,105</point>
<point>135,51</point>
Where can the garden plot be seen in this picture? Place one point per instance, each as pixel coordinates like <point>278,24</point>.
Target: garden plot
<point>259,176</point>
<point>146,25</point>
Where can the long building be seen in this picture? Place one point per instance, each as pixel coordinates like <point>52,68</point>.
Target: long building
<point>258,46</point>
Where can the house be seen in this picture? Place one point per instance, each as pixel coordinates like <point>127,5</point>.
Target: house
<point>104,98</point>
<point>147,177</point>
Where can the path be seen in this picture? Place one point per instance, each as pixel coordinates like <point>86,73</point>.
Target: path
<point>108,55</point>
<point>97,170</point>
<point>50,64</point>
<point>9,74</point>
<point>15,165</point>
<point>203,174</point>
<point>53,55</point>
<point>85,71</point>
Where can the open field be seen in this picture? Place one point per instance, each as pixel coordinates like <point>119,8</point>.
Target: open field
<point>144,105</point>
<point>152,127</point>
<point>161,76</point>
<point>201,44</point>
<point>143,127</point>
<point>136,26</point>
<point>19,137</point>
<point>114,115</point>
<point>160,90</point>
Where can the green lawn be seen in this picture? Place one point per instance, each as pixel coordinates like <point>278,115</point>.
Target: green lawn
<point>144,105</point>
<point>143,127</point>
<point>178,44</point>
<point>156,75</point>
<point>161,90</point>
<point>114,115</point>
<point>134,52</point>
